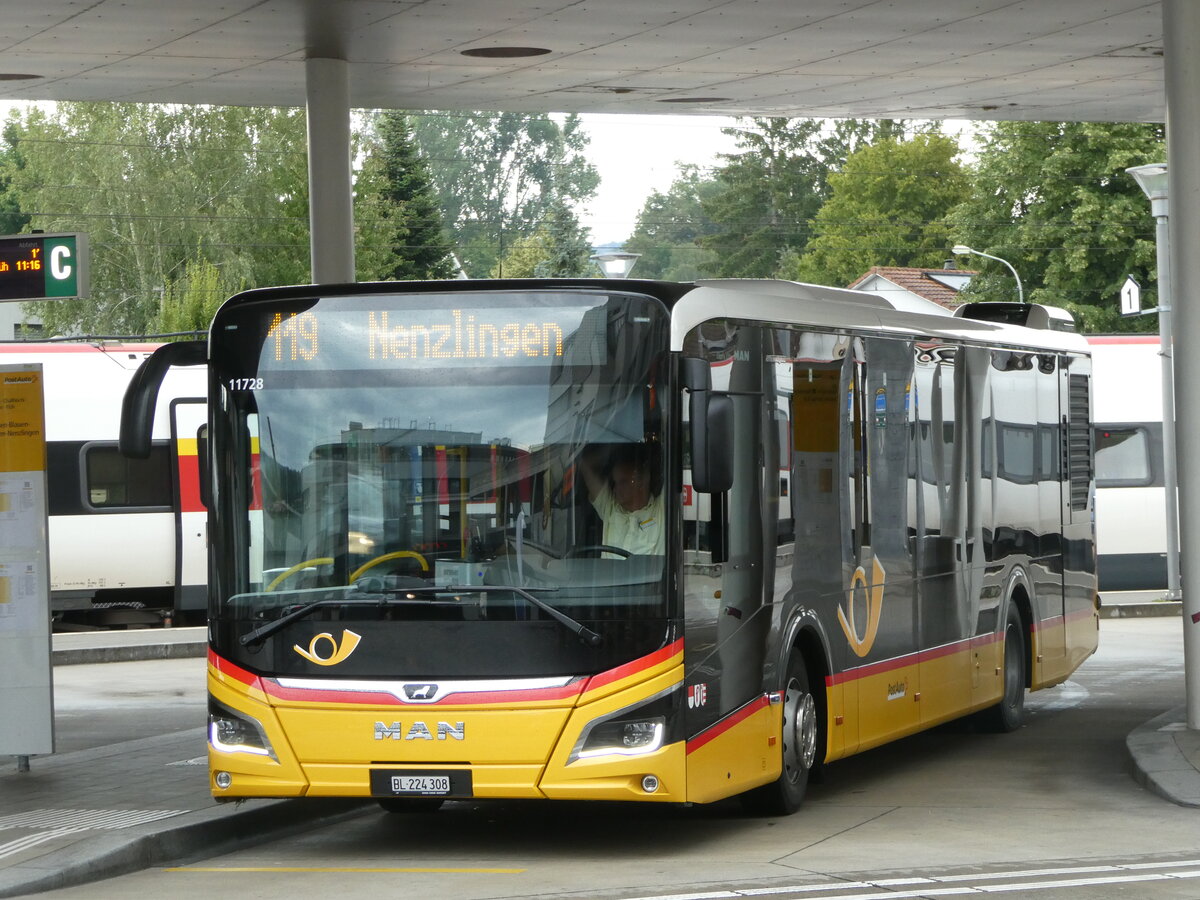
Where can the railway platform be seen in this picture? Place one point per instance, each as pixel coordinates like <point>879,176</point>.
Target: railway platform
<point>138,797</point>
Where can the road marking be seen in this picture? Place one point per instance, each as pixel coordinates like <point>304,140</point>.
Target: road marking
<point>1110,873</point>
<point>421,870</point>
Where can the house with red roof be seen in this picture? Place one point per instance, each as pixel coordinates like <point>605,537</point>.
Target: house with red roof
<point>917,290</point>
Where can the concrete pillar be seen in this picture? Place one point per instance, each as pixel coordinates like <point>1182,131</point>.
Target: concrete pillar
<point>330,197</point>
<point>1181,63</point>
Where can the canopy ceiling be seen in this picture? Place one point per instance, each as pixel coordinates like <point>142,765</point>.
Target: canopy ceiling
<point>976,59</point>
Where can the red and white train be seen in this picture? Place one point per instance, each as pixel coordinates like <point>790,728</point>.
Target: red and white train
<point>127,537</point>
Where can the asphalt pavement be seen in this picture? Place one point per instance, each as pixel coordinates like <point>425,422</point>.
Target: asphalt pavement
<point>118,806</point>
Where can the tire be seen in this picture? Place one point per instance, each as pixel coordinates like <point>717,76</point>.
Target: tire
<point>800,742</point>
<point>410,805</point>
<point>1008,714</point>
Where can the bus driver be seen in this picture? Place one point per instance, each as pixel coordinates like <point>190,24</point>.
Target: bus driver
<point>628,501</point>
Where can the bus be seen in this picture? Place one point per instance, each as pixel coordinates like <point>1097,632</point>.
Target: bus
<point>126,536</point>
<point>411,599</point>
<point>1131,516</point>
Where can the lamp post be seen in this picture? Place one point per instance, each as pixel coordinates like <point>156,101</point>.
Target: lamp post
<point>1152,179</point>
<point>615,265</point>
<point>962,249</point>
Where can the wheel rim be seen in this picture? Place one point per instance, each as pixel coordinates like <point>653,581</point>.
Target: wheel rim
<point>800,731</point>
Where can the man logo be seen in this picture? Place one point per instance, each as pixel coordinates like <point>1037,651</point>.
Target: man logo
<point>421,691</point>
<point>339,651</point>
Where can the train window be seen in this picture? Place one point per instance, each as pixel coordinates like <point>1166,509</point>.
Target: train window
<point>1123,456</point>
<point>115,481</point>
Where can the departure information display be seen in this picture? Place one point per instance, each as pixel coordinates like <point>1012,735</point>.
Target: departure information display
<point>340,338</point>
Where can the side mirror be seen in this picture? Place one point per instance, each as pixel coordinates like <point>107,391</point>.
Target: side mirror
<point>141,396</point>
<point>711,416</point>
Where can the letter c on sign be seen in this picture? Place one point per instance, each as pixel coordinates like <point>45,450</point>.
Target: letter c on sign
<point>59,268</point>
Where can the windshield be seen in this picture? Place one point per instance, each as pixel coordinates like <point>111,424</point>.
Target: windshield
<point>405,442</point>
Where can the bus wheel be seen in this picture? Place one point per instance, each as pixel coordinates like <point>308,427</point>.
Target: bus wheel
<point>1008,713</point>
<point>801,729</point>
<point>409,805</point>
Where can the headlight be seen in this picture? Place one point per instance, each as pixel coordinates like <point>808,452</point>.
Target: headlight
<point>633,731</point>
<point>231,732</point>
<point>626,738</point>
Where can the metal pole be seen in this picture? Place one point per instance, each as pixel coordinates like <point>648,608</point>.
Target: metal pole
<point>1166,352</point>
<point>1181,66</point>
<point>330,198</point>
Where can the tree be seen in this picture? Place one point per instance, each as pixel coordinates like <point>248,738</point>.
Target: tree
<point>559,248</point>
<point>12,220</point>
<point>497,175</point>
<point>157,187</point>
<point>190,301</point>
<point>772,189</point>
<point>670,226</point>
<point>409,232</point>
<point>1053,199</point>
<point>887,207</point>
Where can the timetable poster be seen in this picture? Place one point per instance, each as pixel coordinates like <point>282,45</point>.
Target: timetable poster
<point>26,702</point>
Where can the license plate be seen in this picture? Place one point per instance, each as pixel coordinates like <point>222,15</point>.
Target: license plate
<point>409,783</point>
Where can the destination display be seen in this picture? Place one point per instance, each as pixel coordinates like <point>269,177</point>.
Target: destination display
<point>338,338</point>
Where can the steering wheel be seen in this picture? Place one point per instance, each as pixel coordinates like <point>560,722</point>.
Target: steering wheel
<point>386,557</point>
<point>298,567</point>
<point>598,548</point>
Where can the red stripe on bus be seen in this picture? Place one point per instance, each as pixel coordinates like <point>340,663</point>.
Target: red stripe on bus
<point>908,659</point>
<point>638,665</point>
<point>732,720</point>
<point>336,697</point>
<point>231,670</point>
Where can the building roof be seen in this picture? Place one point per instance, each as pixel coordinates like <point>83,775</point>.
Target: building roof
<point>935,285</point>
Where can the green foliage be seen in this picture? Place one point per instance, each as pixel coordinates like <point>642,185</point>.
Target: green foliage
<point>670,226</point>
<point>774,187</point>
<point>1054,200</point>
<point>887,207</point>
<point>497,176</point>
<point>190,301</point>
<point>407,235</point>
<point>559,248</point>
<point>12,220</point>
<point>157,187</point>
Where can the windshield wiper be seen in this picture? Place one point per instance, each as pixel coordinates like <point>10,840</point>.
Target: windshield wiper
<point>585,634</point>
<point>262,632</point>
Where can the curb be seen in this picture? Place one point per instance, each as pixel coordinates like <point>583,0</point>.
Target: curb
<point>203,833</point>
<point>87,655</point>
<point>1159,762</point>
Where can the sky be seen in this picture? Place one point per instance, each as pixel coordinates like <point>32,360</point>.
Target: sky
<point>638,154</point>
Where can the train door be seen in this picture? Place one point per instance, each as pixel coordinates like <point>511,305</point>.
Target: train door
<point>188,417</point>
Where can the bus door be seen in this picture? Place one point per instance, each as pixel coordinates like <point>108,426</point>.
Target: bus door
<point>876,615</point>
<point>188,417</point>
<point>951,392</point>
<point>1079,494</point>
<point>1054,511</point>
<point>727,621</point>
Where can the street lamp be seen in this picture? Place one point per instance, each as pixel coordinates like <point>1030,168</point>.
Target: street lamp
<point>615,265</point>
<point>963,249</point>
<point>1152,179</point>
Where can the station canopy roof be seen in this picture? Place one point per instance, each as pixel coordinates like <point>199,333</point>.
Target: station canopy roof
<point>973,59</point>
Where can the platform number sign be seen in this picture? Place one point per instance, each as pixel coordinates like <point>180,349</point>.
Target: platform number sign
<point>43,266</point>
